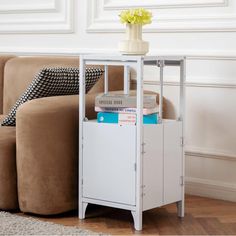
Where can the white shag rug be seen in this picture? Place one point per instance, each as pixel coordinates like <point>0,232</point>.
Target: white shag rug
<point>11,224</point>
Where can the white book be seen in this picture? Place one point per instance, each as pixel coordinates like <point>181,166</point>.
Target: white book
<point>130,110</point>
<point>124,100</point>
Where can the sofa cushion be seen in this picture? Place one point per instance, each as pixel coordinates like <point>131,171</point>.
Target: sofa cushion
<point>53,82</point>
<point>8,180</point>
<point>20,71</point>
<point>3,60</point>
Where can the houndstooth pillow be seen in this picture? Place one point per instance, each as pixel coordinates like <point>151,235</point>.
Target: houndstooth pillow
<point>53,82</point>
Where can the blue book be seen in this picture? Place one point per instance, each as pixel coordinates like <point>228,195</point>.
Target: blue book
<point>125,118</point>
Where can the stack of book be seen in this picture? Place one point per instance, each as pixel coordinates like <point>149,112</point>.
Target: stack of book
<point>121,109</point>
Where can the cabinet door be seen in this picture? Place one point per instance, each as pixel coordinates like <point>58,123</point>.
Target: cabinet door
<point>173,161</point>
<point>153,166</point>
<point>109,162</point>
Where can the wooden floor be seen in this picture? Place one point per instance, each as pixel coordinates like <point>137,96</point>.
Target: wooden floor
<point>203,217</point>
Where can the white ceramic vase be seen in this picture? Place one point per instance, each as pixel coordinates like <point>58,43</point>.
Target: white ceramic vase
<point>133,44</point>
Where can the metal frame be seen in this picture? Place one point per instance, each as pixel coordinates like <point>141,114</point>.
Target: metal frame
<point>138,63</point>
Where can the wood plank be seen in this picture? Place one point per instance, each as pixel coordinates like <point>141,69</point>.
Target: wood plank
<point>204,216</point>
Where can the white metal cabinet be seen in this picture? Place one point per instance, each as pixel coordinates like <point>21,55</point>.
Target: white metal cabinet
<point>136,167</point>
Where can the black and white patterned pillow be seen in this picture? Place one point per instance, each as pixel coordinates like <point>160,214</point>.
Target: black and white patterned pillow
<point>53,82</point>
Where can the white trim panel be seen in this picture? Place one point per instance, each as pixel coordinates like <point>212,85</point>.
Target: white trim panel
<point>210,188</point>
<point>117,5</point>
<point>210,84</point>
<point>16,6</point>
<point>216,155</point>
<point>54,16</point>
<point>103,15</point>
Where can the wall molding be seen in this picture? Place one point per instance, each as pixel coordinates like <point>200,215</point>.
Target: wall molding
<point>118,5</point>
<point>210,188</point>
<point>206,187</point>
<point>28,6</point>
<point>192,84</point>
<point>54,16</point>
<point>216,155</point>
<point>101,20</point>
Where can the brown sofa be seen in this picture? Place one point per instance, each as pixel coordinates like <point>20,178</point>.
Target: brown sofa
<point>39,157</point>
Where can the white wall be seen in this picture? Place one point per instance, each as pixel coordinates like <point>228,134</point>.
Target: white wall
<point>203,30</point>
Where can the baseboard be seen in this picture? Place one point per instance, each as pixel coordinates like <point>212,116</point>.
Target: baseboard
<point>210,188</point>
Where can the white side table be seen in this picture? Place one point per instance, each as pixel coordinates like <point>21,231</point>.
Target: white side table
<point>133,167</point>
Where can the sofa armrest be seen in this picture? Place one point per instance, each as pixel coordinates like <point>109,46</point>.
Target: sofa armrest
<point>47,153</point>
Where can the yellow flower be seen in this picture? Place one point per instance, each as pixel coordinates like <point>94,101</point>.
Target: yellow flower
<point>136,16</point>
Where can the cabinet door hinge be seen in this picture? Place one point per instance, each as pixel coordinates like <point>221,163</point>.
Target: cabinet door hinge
<point>135,167</point>
<point>182,141</point>
<point>143,145</point>
<point>182,180</point>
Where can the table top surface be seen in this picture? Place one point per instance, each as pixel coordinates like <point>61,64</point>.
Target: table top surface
<point>119,57</point>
